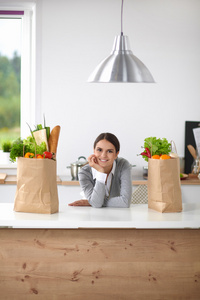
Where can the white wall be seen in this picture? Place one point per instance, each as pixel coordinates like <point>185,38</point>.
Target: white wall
<point>74,36</point>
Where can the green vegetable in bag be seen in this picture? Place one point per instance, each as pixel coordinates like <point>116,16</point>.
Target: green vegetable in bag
<point>16,150</point>
<point>156,146</point>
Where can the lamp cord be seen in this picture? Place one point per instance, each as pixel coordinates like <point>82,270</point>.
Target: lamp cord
<point>122,17</point>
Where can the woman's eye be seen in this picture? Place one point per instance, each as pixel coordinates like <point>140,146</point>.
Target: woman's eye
<point>110,151</point>
<point>99,149</point>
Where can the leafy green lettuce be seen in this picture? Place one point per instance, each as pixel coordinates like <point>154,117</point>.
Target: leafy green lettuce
<point>157,146</point>
<point>31,146</point>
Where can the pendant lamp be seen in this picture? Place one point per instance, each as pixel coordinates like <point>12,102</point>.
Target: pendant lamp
<point>121,65</point>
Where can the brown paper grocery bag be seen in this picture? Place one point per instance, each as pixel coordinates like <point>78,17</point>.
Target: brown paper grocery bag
<point>164,187</point>
<point>36,186</point>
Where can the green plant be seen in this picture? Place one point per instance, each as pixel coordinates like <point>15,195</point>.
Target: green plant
<point>8,134</point>
<point>6,146</point>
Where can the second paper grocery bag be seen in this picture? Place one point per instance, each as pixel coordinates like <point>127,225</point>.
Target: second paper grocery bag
<point>164,188</point>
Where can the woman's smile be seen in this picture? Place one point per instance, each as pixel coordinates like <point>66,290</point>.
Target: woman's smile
<point>103,161</point>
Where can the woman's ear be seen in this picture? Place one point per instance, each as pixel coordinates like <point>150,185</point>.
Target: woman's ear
<point>117,154</point>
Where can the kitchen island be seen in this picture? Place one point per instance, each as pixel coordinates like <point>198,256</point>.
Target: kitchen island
<point>107,253</point>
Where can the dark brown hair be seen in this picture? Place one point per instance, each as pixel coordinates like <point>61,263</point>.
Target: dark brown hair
<point>110,138</point>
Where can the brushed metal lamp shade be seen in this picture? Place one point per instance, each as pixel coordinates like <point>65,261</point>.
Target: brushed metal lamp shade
<point>121,66</point>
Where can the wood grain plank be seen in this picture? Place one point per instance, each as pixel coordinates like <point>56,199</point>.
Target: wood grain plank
<point>99,264</point>
<point>2,178</point>
<point>87,244</point>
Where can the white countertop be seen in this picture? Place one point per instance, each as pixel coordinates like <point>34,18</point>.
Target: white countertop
<point>138,216</point>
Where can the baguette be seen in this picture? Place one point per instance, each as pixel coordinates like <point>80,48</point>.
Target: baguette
<point>53,139</point>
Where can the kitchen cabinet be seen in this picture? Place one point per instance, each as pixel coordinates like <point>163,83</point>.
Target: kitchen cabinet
<point>107,253</point>
<point>71,189</point>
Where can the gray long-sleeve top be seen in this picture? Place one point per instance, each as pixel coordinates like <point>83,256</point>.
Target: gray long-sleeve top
<point>121,186</point>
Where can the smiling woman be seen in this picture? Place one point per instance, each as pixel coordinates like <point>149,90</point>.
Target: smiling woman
<point>106,179</point>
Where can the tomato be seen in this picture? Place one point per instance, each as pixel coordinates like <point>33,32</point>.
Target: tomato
<point>165,156</point>
<point>40,156</point>
<point>48,155</point>
<point>156,156</point>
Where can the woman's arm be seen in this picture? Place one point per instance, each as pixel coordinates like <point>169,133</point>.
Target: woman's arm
<point>94,191</point>
<point>124,199</point>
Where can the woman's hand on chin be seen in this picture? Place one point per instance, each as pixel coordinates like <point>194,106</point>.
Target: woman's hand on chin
<point>81,202</point>
<point>93,162</point>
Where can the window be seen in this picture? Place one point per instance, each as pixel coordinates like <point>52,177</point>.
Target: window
<point>17,77</point>
<point>10,78</point>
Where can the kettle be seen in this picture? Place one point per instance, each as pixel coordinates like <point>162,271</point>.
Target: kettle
<point>76,166</point>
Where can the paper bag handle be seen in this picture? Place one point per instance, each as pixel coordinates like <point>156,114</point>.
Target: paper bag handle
<point>150,144</point>
<point>174,146</point>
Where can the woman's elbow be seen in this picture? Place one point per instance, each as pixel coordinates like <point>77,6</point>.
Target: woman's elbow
<point>126,202</point>
<point>96,205</point>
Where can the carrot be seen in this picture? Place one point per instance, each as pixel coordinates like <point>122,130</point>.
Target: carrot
<point>53,139</point>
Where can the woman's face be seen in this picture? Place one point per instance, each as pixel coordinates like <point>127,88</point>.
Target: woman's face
<point>105,153</point>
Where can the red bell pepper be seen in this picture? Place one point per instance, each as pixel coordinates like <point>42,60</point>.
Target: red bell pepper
<point>148,152</point>
<point>48,155</point>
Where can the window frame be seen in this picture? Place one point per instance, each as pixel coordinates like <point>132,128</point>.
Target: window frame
<point>28,63</point>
